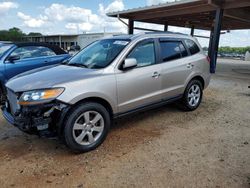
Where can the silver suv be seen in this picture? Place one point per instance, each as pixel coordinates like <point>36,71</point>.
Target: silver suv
<point>108,79</point>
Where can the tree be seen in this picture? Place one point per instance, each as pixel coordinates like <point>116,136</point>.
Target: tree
<point>238,50</point>
<point>13,34</point>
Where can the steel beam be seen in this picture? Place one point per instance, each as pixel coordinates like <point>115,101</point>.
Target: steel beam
<point>192,31</point>
<point>166,26</point>
<point>216,39</point>
<point>210,42</point>
<point>130,27</point>
<point>145,29</point>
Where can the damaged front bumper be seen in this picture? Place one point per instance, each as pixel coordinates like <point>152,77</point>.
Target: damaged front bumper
<point>37,119</point>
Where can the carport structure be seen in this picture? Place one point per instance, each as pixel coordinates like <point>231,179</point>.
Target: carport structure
<point>212,15</point>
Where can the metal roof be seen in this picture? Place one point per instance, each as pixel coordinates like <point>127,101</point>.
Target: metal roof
<point>189,13</point>
<point>160,5</point>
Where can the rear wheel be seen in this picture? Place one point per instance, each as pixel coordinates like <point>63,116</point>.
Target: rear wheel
<point>86,127</point>
<point>192,96</point>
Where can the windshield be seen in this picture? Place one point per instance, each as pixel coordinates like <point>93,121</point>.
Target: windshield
<point>4,48</point>
<point>99,54</point>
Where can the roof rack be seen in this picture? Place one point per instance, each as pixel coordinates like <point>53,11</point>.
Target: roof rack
<point>166,32</point>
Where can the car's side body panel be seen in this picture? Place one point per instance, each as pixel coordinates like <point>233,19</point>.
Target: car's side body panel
<point>138,87</point>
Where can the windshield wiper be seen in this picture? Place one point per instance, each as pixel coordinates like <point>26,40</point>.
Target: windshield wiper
<point>77,65</point>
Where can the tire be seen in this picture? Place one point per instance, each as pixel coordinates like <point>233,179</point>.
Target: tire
<point>83,121</point>
<point>193,92</point>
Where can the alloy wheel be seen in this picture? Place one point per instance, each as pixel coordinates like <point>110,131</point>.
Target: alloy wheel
<point>194,95</point>
<point>88,128</point>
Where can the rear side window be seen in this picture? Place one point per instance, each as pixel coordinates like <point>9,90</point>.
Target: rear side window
<point>172,50</point>
<point>192,46</point>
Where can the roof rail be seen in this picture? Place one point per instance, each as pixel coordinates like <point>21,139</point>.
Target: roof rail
<point>166,32</point>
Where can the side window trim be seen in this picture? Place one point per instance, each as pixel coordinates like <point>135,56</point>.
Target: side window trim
<point>188,53</point>
<point>170,39</point>
<point>157,51</point>
<point>186,47</point>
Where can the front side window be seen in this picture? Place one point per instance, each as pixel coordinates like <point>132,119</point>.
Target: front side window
<point>32,52</point>
<point>193,47</point>
<point>144,53</point>
<point>4,48</point>
<point>99,54</point>
<point>172,50</point>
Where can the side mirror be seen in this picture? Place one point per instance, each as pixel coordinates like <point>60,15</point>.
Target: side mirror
<point>13,58</point>
<point>129,63</point>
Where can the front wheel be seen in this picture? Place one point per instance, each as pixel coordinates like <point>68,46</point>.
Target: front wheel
<point>192,96</point>
<point>86,127</point>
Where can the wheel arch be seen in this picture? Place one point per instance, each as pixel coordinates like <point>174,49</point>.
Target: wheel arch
<point>67,110</point>
<point>99,100</point>
<point>199,78</point>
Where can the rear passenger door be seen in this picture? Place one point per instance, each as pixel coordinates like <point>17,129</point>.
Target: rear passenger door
<point>175,67</point>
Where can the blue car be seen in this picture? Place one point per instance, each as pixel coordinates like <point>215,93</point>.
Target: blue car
<point>16,58</point>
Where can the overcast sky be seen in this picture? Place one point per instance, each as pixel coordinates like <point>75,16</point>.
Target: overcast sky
<point>78,16</point>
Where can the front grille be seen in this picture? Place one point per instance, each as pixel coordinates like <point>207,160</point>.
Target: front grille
<point>12,99</point>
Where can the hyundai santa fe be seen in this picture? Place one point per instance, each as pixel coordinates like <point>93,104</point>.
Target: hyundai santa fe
<point>110,78</point>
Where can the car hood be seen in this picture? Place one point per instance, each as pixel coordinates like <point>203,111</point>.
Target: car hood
<point>47,77</point>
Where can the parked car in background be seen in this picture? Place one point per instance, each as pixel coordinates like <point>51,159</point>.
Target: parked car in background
<point>74,49</point>
<point>108,79</point>
<point>16,58</point>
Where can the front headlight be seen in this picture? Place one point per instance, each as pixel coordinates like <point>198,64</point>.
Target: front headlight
<point>39,96</point>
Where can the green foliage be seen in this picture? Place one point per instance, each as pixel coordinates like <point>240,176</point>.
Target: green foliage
<point>238,50</point>
<point>13,34</point>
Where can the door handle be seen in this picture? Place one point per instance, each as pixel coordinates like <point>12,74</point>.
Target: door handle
<point>190,65</point>
<point>156,75</point>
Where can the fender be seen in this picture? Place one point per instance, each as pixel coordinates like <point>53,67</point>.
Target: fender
<point>102,96</point>
<point>191,76</point>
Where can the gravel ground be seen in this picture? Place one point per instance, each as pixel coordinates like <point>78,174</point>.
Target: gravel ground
<point>161,148</point>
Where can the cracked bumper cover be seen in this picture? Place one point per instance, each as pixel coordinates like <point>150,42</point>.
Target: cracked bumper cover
<point>36,118</point>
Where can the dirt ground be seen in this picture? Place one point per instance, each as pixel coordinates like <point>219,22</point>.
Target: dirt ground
<point>161,148</point>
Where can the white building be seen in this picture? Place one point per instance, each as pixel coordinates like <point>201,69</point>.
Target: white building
<point>66,41</point>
